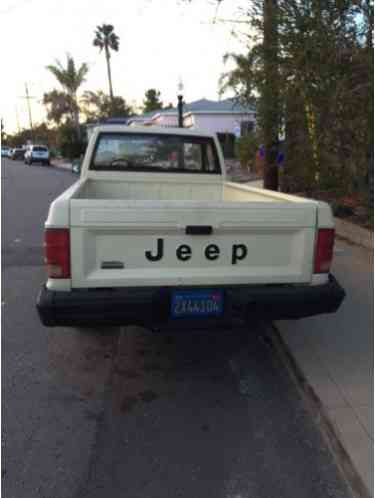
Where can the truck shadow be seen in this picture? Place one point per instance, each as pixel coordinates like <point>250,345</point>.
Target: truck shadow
<point>80,359</point>
<point>149,366</point>
<point>135,367</point>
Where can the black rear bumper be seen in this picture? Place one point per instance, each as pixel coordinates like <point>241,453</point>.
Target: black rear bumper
<point>150,306</point>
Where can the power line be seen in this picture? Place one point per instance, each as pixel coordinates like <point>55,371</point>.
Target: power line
<point>217,10</point>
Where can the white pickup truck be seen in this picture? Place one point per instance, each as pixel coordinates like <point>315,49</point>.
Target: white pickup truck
<point>153,234</point>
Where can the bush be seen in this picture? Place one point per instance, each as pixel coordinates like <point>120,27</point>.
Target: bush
<point>246,149</point>
<point>73,149</point>
<point>68,142</point>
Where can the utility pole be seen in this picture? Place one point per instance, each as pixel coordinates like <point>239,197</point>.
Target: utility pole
<point>180,104</point>
<point>28,98</point>
<point>180,112</point>
<point>18,120</point>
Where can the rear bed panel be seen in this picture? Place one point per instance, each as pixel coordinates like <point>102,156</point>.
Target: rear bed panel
<point>250,244</point>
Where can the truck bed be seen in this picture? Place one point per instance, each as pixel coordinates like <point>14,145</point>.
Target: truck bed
<point>168,189</point>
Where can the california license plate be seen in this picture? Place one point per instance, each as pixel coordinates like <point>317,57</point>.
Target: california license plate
<point>193,303</point>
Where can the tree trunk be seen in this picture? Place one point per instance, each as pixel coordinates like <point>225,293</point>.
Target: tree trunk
<point>75,116</point>
<point>108,56</point>
<point>270,95</point>
<point>78,129</point>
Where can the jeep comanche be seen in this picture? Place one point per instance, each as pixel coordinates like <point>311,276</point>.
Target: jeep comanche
<point>153,234</point>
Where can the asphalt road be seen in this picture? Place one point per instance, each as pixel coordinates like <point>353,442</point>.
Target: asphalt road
<point>126,413</point>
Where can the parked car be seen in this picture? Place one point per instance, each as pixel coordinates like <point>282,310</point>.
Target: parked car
<point>37,154</point>
<point>4,151</point>
<point>17,153</point>
<point>167,240</point>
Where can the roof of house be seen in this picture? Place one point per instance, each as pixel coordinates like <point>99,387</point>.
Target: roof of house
<point>201,106</point>
<point>205,105</point>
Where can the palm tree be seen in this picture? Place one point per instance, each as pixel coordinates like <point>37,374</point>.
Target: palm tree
<point>70,78</point>
<point>106,38</point>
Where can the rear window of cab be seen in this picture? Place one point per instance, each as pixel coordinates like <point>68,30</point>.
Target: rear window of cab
<point>155,152</point>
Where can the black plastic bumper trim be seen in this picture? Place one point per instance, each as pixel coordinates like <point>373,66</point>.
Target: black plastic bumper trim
<point>150,306</point>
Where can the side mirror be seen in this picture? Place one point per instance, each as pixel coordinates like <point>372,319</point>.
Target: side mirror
<point>76,166</point>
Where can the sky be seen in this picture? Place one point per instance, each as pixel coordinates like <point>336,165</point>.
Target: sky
<point>160,42</point>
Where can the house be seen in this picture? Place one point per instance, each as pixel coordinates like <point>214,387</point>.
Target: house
<point>227,118</point>
<point>222,117</point>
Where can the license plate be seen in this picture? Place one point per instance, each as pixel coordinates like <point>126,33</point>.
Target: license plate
<point>193,303</point>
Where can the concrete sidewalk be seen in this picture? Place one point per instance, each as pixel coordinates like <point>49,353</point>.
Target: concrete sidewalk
<point>335,353</point>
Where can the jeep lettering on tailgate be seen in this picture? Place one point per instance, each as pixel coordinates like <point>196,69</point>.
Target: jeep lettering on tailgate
<point>184,252</point>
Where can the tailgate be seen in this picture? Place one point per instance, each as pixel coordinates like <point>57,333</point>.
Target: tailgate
<point>145,243</point>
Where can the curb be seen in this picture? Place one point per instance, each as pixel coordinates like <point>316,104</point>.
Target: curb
<point>354,233</point>
<point>66,166</point>
<point>320,415</point>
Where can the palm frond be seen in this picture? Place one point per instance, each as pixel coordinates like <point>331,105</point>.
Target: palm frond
<point>69,77</point>
<point>105,37</point>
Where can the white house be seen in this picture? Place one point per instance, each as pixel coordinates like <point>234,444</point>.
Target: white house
<point>225,116</point>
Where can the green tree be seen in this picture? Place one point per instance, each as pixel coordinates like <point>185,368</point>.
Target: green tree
<point>312,69</point>
<point>325,83</point>
<point>98,105</point>
<point>106,38</point>
<point>263,16</point>
<point>152,100</point>
<point>67,141</point>
<point>42,133</point>
<point>70,78</point>
<point>243,79</point>
<point>3,134</point>
<point>59,105</point>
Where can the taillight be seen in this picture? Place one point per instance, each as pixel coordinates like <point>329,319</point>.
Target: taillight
<point>57,252</point>
<point>324,250</point>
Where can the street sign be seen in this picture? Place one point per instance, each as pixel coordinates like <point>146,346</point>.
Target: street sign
<point>237,130</point>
